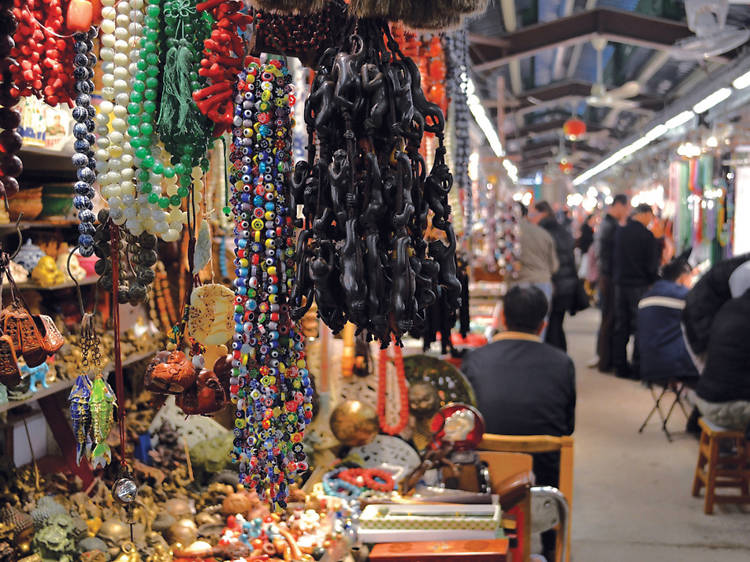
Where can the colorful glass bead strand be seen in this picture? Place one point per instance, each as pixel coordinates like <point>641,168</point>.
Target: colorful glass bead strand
<point>83,130</point>
<point>270,383</point>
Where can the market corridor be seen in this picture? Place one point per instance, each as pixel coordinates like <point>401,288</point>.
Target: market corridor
<point>632,491</point>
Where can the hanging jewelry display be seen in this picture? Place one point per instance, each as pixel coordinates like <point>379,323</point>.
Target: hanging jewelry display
<point>270,383</point>
<point>403,392</point>
<point>457,61</point>
<point>83,130</point>
<point>366,196</point>
<point>91,402</point>
<point>302,34</point>
<point>137,255</point>
<point>120,32</point>
<point>44,57</point>
<point>10,141</point>
<point>223,55</point>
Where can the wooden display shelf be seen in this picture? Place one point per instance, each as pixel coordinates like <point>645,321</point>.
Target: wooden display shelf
<point>60,287</point>
<point>48,224</point>
<point>42,151</point>
<point>60,385</point>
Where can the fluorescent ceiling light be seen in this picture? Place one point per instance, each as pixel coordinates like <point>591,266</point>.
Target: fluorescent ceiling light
<point>742,82</point>
<point>714,99</point>
<point>656,132</point>
<point>480,116</point>
<point>679,119</point>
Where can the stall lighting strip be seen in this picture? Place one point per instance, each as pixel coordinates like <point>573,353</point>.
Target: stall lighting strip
<point>678,120</point>
<point>480,116</point>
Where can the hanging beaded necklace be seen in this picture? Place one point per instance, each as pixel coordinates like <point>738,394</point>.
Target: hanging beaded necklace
<point>270,383</point>
<point>121,29</point>
<point>179,124</point>
<point>403,392</point>
<point>83,131</point>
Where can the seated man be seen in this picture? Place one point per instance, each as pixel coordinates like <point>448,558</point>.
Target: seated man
<point>524,386</point>
<point>663,352</point>
<point>723,391</point>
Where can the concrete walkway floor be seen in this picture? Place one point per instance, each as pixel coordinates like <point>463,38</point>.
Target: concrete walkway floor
<point>632,498</point>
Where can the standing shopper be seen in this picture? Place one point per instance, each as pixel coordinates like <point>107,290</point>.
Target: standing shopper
<point>565,279</point>
<point>538,257</point>
<point>637,259</point>
<point>605,244</point>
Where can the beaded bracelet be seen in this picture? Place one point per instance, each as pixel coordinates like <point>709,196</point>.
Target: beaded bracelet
<point>270,383</point>
<point>333,485</point>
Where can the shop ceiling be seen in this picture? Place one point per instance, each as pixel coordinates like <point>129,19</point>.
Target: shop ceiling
<point>536,58</point>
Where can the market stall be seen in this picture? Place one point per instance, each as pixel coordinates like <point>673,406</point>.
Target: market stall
<point>229,232</point>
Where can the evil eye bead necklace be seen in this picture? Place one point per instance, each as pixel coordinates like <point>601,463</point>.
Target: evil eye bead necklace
<point>83,130</point>
<point>270,383</point>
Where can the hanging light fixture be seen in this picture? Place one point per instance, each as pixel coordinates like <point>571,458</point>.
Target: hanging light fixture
<point>565,166</point>
<point>574,128</point>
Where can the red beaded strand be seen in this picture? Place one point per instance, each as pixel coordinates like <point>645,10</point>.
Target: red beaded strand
<point>402,390</point>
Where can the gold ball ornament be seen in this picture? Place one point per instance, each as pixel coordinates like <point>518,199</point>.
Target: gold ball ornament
<point>354,423</point>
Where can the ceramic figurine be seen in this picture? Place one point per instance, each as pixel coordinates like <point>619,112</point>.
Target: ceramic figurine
<point>46,273</point>
<point>37,375</point>
<point>54,541</point>
<point>19,273</point>
<point>79,274</point>
<point>28,256</point>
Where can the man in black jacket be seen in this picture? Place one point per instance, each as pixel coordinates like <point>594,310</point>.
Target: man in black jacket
<point>605,250</point>
<point>724,386</point>
<point>636,263</point>
<point>705,299</point>
<point>565,279</point>
<point>524,386</point>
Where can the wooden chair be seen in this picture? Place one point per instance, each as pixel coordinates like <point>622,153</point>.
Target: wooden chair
<point>541,444</point>
<point>726,471</point>
<point>505,468</point>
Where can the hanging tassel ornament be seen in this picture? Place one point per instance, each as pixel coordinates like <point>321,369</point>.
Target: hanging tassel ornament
<point>270,383</point>
<point>83,130</point>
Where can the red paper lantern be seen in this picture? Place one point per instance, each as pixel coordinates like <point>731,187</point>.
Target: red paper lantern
<point>565,167</point>
<point>574,128</point>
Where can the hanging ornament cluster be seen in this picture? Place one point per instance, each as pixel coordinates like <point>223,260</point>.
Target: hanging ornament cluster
<point>223,56</point>
<point>509,238</point>
<point>83,131</point>
<point>10,141</point>
<point>304,34</point>
<point>456,47</point>
<point>43,55</point>
<point>91,402</point>
<point>574,128</point>
<point>136,254</point>
<point>151,64</point>
<point>366,196</point>
<point>427,51</point>
<point>270,384</point>
<point>418,14</point>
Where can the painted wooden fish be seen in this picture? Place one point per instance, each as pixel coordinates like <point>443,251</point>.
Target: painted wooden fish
<point>80,415</point>
<point>101,406</point>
